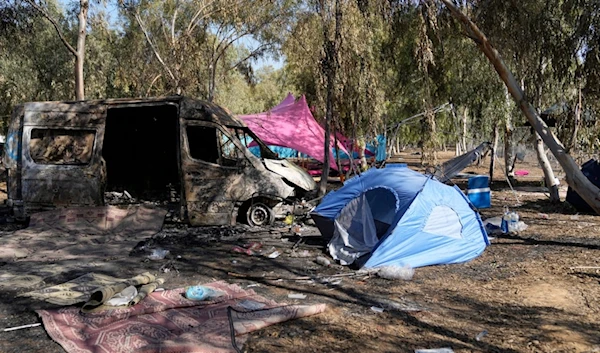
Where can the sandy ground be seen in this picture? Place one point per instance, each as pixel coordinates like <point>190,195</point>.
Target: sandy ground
<point>536,291</point>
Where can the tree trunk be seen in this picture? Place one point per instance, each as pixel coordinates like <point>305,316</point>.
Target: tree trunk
<point>576,121</point>
<point>509,148</point>
<point>459,131</point>
<point>549,179</point>
<point>329,67</point>
<point>493,150</point>
<point>84,6</point>
<point>361,154</point>
<point>464,120</point>
<point>212,83</point>
<point>575,178</point>
<point>328,115</point>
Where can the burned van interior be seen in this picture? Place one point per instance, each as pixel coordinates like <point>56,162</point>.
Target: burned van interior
<point>141,153</point>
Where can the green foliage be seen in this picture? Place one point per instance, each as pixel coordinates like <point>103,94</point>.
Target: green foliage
<point>394,59</point>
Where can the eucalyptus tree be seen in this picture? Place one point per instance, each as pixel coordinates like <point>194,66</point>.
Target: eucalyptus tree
<point>334,56</point>
<point>543,41</point>
<point>31,68</point>
<point>575,178</point>
<point>192,40</point>
<point>78,50</point>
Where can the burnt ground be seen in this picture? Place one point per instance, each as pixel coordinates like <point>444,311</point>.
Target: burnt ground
<point>536,291</point>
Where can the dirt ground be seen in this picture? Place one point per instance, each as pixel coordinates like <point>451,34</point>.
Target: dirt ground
<point>536,291</point>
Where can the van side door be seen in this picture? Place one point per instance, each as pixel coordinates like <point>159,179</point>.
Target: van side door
<point>61,155</point>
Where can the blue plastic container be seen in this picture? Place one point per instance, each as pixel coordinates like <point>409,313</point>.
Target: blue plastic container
<point>201,293</point>
<point>478,191</point>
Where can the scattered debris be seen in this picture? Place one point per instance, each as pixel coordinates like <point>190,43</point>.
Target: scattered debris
<point>396,272</point>
<point>274,254</point>
<point>21,327</point>
<point>521,172</point>
<point>158,254</point>
<point>297,296</point>
<point>480,335</point>
<point>434,350</point>
<point>377,309</point>
<point>321,260</point>
<point>248,249</point>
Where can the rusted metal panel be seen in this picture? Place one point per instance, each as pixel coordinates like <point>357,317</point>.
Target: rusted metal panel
<point>50,180</point>
<point>193,109</point>
<point>212,191</point>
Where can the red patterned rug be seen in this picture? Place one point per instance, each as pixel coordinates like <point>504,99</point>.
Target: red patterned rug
<point>82,233</point>
<point>168,322</point>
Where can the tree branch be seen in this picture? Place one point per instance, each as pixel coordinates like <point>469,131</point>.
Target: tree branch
<point>154,49</point>
<point>173,24</point>
<point>152,84</point>
<point>55,24</point>
<point>252,54</point>
<point>194,21</point>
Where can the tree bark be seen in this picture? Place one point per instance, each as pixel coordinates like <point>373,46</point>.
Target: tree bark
<point>79,53</point>
<point>84,6</point>
<point>576,121</point>
<point>493,150</point>
<point>549,179</point>
<point>464,120</point>
<point>575,178</point>
<point>330,72</point>
<point>509,148</point>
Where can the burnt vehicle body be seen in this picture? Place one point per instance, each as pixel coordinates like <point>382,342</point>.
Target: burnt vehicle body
<point>177,150</point>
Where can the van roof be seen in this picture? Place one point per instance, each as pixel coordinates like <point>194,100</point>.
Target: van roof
<point>189,108</point>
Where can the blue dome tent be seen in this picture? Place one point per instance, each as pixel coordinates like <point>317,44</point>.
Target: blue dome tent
<point>396,216</point>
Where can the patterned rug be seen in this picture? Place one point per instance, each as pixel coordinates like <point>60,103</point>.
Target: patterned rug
<point>167,322</point>
<point>83,232</point>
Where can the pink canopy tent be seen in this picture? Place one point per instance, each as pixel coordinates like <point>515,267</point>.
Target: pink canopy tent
<point>291,124</point>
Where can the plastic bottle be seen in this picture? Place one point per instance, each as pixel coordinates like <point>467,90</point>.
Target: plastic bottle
<point>201,293</point>
<point>513,224</point>
<point>505,220</point>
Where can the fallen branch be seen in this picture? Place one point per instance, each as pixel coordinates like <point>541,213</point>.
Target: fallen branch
<point>300,278</point>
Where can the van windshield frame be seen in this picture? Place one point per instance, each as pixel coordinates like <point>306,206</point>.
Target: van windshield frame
<point>242,134</point>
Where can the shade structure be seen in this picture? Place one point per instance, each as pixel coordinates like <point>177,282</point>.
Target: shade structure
<point>291,124</point>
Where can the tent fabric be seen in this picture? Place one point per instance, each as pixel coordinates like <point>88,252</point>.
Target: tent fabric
<point>396,216</point>
<point>591,170</point>
<point>291,124</point>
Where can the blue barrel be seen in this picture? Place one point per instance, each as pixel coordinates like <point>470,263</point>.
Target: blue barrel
<point>478,191</point>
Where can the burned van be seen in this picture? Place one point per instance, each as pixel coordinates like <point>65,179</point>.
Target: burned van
<point>177,151</point>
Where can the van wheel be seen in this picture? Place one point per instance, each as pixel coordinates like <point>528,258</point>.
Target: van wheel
<point>260,215</point>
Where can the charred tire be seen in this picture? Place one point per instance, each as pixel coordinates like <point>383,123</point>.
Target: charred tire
<point>259,214</point>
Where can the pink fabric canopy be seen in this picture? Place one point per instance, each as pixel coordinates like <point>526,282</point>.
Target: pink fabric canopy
<point>291,124</point>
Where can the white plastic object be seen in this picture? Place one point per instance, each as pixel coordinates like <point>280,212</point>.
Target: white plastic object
<point>158,254</point>
<point>396,272</point>
<point>321,260</point>
<point>123,297</point>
